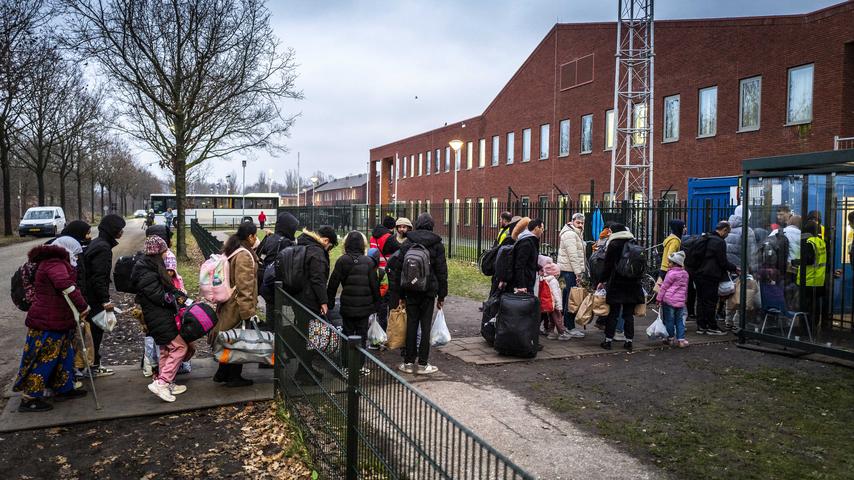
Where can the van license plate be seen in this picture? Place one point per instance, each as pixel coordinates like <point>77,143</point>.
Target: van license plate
<point>35,229</point>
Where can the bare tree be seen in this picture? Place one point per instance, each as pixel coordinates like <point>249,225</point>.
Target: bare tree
<point>197,79</point>
<point>79,117</point>
<point>19,20</point>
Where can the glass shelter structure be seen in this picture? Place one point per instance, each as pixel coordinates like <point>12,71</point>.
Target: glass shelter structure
<point>796,286</point>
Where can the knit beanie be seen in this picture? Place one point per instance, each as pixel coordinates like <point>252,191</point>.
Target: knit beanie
<point>154,245</point>
<point>111,224</point>
<point>171,261</point>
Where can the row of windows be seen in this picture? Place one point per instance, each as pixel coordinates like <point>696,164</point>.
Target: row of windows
<point>798,111</point>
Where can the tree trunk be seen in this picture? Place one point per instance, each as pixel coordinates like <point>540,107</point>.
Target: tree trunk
<point>40,183</point>
<point>92,197</point>
<point>79,196</point>
<point>7,186</point>
<point>102,199</point>
<point>180,194</point>
<point>110,199</point>
<point>62,178</point>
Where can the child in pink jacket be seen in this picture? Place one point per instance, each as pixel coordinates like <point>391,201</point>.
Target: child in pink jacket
<point>672,297</point>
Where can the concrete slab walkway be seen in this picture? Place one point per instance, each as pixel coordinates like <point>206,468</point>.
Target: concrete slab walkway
<point>125,394</point>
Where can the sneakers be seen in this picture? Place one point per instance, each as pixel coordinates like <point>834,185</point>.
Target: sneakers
<point>576,333</point>
<point>553,335</point>
<point>682,343</point>
<point>69,395</point>
<point>100,371</point>
<point>147,371</point>
<point>176,389</point>
<point>715,331</point>
<point>34,405</point>
<point>668,341</point>
<point>565,336</point>
<point>628,345</point>
<point>701,331</point>
<point>620,337</point>
<point>606,344</point>
<point>426,369</point>
<point>407,367</point>
<point>373,347</point>
<point>161,390</point>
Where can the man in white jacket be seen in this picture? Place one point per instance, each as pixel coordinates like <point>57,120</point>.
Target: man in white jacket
<point>570,259</point>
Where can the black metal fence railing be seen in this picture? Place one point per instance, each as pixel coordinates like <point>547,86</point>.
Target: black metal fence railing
<point>364,420</point>
<point>477,224</point>
<point>208,244</point>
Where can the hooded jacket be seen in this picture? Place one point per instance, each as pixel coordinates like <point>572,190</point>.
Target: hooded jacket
<point>77,230</point>
<point>437,285</point>
<point>621,290</point>
<point>49,310</point>
<point>570,254</point>
<point>283,237</point>
<point>98,262</point>
<point>715,264</point>
<point>733,242</point>
<point>674,288</point>
<point>313,295</point>
<point>158,311</point>
<point>383,240</point>
<point>672,243</point>
<point>243,272</point>
<point>357,274</point>
<point>526,255</point>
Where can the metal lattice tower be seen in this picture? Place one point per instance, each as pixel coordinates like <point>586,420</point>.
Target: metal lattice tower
<point>631,158</point>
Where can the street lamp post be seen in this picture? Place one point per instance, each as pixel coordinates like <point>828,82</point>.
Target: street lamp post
<point>227,180</point>
<point>270,178</point>
<point>456,145</point>
<point>243,194</point>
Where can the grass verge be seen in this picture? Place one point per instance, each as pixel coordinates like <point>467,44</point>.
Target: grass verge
<point>189,269</point>
<point>13,239</point>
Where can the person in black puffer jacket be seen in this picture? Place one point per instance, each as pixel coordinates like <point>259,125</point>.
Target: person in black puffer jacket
<point>360,293</point>
<point>526,254</point>
<point>98,265</point>
<point>158,299</point>
<point>623,293</point>
<point>419,305</point>
<point>267,251</point>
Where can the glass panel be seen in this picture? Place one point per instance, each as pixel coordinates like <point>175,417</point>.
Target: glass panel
<point>609,130</point>
<point>544,142</point>
<point>639,114</point>
<point>469,155</point>
<point>458,155</point>
<point>587,134</point>
<point>429,162</point>
<point>438,160</point>
<point>447,159</point>
<point>564,138</point>
<point>708,112</point>
<point>405,164</point>
<point>420,164</point>
<point>511,144</point>
<point>481,153</point>
<point>800,94</point>
<point>671,118</point>
<point>493,205</point>
<point>495,150</point>
<point>526,145</point>
<point>751,93</point>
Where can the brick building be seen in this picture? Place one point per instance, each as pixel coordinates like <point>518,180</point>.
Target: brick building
<point>343,191</point>
<point>725,90</point>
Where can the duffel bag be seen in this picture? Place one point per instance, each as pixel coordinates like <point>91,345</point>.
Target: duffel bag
<point>517,326</point>
<point>244,345</point>
<point>195,321</point>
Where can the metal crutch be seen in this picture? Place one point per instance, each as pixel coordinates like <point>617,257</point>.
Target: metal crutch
<point>66,294</point>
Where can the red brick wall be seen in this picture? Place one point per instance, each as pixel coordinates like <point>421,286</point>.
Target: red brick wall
<point>689,55</point>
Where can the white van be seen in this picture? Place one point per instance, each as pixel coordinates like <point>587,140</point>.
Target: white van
<point>42,221</point>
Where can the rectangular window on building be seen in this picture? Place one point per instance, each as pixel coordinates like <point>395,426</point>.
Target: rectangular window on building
<point>481,153</point>
<point>584,200</point>
<point>493,214</point>
<point>469,155</point>
<point>799,108</point>
<point>447,159</point>
<point>609,130</point>
<point>587,133</point>
<point>458,156</point>
<point>563,149</point>
<point>429,162</point>
<point>427,207</point>
<point>412,165</point>
<point>420,164</point>
<point>438,160</point>
<point>405,165</point>
<point>608,197</point>
<point>671,119</point>
<point>468,212</point>
<point>397,168</point>
<point>495,150</point>
<point>544,141</point>
<point>749,101</point>
<point>511,145</point>
<point>639,116</point>
<point>670,196</point>
<point>525,205</point>
<point>708,112</point>
<point>419,208</point>
<point>482,206</point>
<point>526,145</point>
<point>542,203</point>
<point>447,211</point>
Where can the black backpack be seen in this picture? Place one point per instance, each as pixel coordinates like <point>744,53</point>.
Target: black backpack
<point>290,268</point>
<point>123,273</point>
<point>196,321</point>
<point>23,285</point>
<point>504,264</point>
<point>597,265</point>
<point>486,262</point>
<point>695,250</point>
<point>415,271</point>
<point>632,262</point>
<point>774,251</point>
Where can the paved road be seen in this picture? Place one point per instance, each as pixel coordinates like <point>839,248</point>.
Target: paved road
<point>12,328</point>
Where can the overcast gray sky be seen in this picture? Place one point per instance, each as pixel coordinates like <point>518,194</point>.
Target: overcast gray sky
<point>362,63</point>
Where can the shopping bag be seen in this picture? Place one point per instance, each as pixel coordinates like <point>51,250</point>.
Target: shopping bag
<point>376,334</point>
<point>752,292</point>
<point>105,320</point>
<point>244,345</point>
<point>79,360</point>
<point>396,328</point>
<point>323,337</point>
<point>657,285</point>
<point>600,306</point>
<point>585,311</point>
<point>576,296</point>
<point>439,333</point>
<point>656,329</point>
<point>726,288</point>
<point>640,310</point>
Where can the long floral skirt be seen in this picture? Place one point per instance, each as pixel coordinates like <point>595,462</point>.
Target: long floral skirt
<point>47,362</point>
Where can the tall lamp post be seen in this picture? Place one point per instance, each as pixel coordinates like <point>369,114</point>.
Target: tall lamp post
<point>270,177</point>
<point>227,181</point>
<point>243,193</point>
<point>456,145</point>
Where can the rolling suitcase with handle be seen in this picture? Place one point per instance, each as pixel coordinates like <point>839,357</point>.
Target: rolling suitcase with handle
<point>517,326</point>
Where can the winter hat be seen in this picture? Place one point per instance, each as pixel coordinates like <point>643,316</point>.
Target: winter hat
<point>423,222</point>
<point>71,245</point>
<point>77,230</point>
<point>388,223</point>
<point>678,258</point>
<point>155,245</point>
<point>171,261</point>
<point>618,227</point>
<point>111,225</point>
<point>677,227</point>
<point>403,221</point>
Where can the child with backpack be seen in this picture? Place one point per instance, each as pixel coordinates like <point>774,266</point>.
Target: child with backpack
<point>672,296</point>
<point>151,353</point>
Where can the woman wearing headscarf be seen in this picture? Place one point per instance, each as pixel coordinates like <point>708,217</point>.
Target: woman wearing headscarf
<point>48,358</point>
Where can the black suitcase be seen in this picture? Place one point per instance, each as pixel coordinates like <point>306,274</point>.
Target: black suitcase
<point>487,323</point>
<point>517,328</point>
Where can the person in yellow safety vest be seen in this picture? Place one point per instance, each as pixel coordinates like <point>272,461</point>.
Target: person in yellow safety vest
<point>506,223</point>
<point>813,270</point>
<point>815,216</point>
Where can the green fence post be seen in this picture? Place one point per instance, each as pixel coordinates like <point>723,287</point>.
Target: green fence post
<point>354,371</point>
<point>278,366</point>
<point>479,222</point>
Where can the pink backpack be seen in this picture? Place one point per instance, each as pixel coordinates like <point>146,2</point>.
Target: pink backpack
<point>214,283</point>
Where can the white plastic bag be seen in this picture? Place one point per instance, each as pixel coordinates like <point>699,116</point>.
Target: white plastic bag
<point>105,320</point>
<point>376,334</point>
<point>726,288</point>
<point>657,329</point>
<point>439,334</point>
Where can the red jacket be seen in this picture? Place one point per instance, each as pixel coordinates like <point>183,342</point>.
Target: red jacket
<point>262,217</point>
<point>50,311</point>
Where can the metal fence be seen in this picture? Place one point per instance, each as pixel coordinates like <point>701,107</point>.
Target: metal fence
<point>477,224</point>
<point>208,244</point>
<point>364,420</point>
